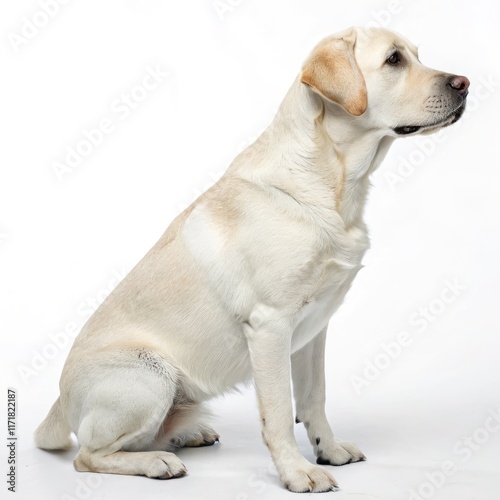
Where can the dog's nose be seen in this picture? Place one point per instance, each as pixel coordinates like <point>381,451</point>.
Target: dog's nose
<point>460,83</point>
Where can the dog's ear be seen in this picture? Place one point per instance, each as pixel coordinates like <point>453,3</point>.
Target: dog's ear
<point>332,71</point>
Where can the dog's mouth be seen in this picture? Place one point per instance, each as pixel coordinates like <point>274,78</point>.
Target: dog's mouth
<point>453,117</point>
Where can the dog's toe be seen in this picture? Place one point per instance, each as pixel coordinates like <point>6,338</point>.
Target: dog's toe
<point>342,453</point>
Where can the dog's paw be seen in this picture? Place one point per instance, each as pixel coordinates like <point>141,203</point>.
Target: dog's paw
<point>163,465</point>
<point>308,479</point>
<point>341,453</point>
<point>207,437</point>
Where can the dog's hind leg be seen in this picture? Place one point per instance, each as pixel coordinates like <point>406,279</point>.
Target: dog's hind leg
<point>122,412</point>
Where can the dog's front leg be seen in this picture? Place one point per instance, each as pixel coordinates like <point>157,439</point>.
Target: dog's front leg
<point>308,372</point>
<point>269,346</point>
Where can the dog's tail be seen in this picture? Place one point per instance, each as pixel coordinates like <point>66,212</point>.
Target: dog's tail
<point>54,432</point>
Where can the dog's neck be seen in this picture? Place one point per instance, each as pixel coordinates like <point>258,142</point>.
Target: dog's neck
<point>316,152</point>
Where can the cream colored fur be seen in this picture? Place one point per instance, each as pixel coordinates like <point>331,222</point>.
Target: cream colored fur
<point>243,283</point>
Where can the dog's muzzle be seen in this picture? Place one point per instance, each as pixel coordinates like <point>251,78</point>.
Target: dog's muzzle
<point>460,89</point>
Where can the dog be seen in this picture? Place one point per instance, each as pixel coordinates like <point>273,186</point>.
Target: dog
<point>243,282</point>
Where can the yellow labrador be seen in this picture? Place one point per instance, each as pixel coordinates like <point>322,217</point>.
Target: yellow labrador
<point>243,282</point>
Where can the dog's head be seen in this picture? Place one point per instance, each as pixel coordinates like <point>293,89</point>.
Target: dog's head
<point>375,74</point>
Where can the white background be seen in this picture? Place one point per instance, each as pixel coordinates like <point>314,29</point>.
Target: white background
<point>433,216</point>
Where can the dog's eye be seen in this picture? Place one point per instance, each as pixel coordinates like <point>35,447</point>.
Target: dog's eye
<point>394,59</point>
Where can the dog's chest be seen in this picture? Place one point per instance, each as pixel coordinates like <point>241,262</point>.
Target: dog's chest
<point>331,280</point>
